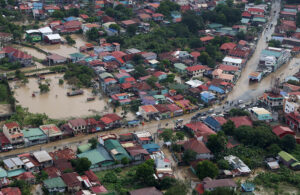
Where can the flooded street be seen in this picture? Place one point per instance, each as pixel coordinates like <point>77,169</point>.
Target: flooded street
<point>245,91</point>
<point>56,104</point>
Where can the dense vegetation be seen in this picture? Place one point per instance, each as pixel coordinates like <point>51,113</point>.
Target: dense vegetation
<point>5,94</point>
<point>5,64</point>
<point>120,12</point>
<point>79,75</point>
<point>124,180</point>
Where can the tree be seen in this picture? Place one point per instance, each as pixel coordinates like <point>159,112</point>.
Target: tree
<point>131,30</point>
<point>166,7</point>
<point>125,161</point>
<point>92,34</point>
<point>223,164</point>
<point>220,191</point>
<point>24,186</point>
<point>167,135</point>
<point>216,143</point>
<point>44,88</point>
<point>288,142</point>
<point>115,27</point>
<point>180,135</point>
<point>298,19</point>
<point>94,142</point>
<point>58,14</point>
<point>60,81</point>
<point>81,164</point>
<point>145,171</point>
<point>179,188</point>
<point>110,177</point>
<point>228,127</point>
<point>152,81</point>
<point>238,112</point>
<point>41,176</point>
<point>273,149</point>
<point>206,169</point>
<point>140,71</point>
<point>189,156</point>
<point>70,41</point>
<point>167,182</point>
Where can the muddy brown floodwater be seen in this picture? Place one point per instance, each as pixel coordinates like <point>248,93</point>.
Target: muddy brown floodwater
<point>63,49</point>
<point>56,104</point>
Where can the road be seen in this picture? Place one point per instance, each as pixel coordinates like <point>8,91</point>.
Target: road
<point>242,90</point>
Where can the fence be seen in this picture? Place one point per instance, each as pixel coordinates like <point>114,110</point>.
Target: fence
<point>116,166</point>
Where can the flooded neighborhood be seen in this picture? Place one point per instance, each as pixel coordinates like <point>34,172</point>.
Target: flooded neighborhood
<point>150,97</point>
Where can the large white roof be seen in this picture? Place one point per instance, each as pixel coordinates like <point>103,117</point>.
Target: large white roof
<point>32,31</point>
<point>233,60</point>
<point>45,30</point>
<point>53,36</point>
<point>42,156</point>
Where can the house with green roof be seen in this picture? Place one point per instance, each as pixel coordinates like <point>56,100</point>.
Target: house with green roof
<point>289,160</point>
<point>84,147</point>
<point>75,57</point>
<point>99,157</point>
<point>55,185</point>
<point>3,173</point>
<point>33,136</point>
<point>116,150</point>
<point>180,67</point>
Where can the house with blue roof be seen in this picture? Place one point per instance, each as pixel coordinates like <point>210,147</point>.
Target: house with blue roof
<point>213,123</point>
<point>71,18</point>
<point>207,96</point>
<point>216,89</point>
<point>37,6</point>
<point>109,58</point>
<point>152,147</point>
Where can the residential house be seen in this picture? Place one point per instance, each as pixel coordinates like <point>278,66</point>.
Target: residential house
<point>200,130</point>
<point>227,47</point>
<point>65,153</point>
<point>273,58</point>
<point>233,61</point>
<point>215,123</point>
<point>43,158</point>
<point>45,31</point>
<point>289,160</point>
<point>12,164</point>
<point>17,55</point>
<point>151,148</point>
<point>122,98</point>
<point>137,153</point>
<point>207,97</point>
<point>30,163</point>
<point>99,157</point>
<point>158,17</point>
<point>143,137</point>
<point>282,131</point>
<point>160,75</point>
<point>181,68</point>
<point>116,149</point>
<point>33,35</point>
<point>256,11</point>
<point>5,144</point>
<point>52,131</point>
<point>55,59</point>
<point>72,182</point>
<point>241,121</point>
<point>272,100</point>
<point>261,114</point>
<point>212,184</point>
<point>238,165</point>
<point>13,133</point>
<point>148,112</point>
<point>206,39</point>
<point>199,147</point>
<point>11,191</point>
<point>52,39</point>
<point>89,26</point>
<point>27,177</point>
<point>196,71</point>
<point>111,120</point>
<point>33,136</point>
<point>174,110</point>
<point>55,185</point>
<point>293,120</point>
<point>76,57</point>
<point>77,125</point>
<point>146,191</point>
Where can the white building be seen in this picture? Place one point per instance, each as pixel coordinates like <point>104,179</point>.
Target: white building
<point>233,61</point>
<point>238,164</point>
<point>45,31</point>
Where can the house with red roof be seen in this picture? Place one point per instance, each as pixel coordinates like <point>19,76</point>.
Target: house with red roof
<point>148,112</point>
<point>72,181</point>
<point>10,191</point>
<point>206,39</point>
<point>256,11</point>
<point>226,47</point>
<point>26,176</point>
<point>13,133</point>
<point>17,55</point>
<point>111,120</point>
<point>65,153</point>
<point>199,147</point>
<point>241,121</point>
<point>282,131</point>
<point>77,125</point>
<point>196,70</point>
<point>158,17</point>
<point>160,75</point>
<point>200,130</point>
<point>293,120</point>
<point>288,15</point>
<point>246,14</point>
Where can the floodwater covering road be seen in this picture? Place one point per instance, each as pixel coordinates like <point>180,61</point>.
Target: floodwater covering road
<point>245,91</point>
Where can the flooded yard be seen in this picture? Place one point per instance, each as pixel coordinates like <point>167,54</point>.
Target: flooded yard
<point>63,49</point>
<point>56,104</point>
